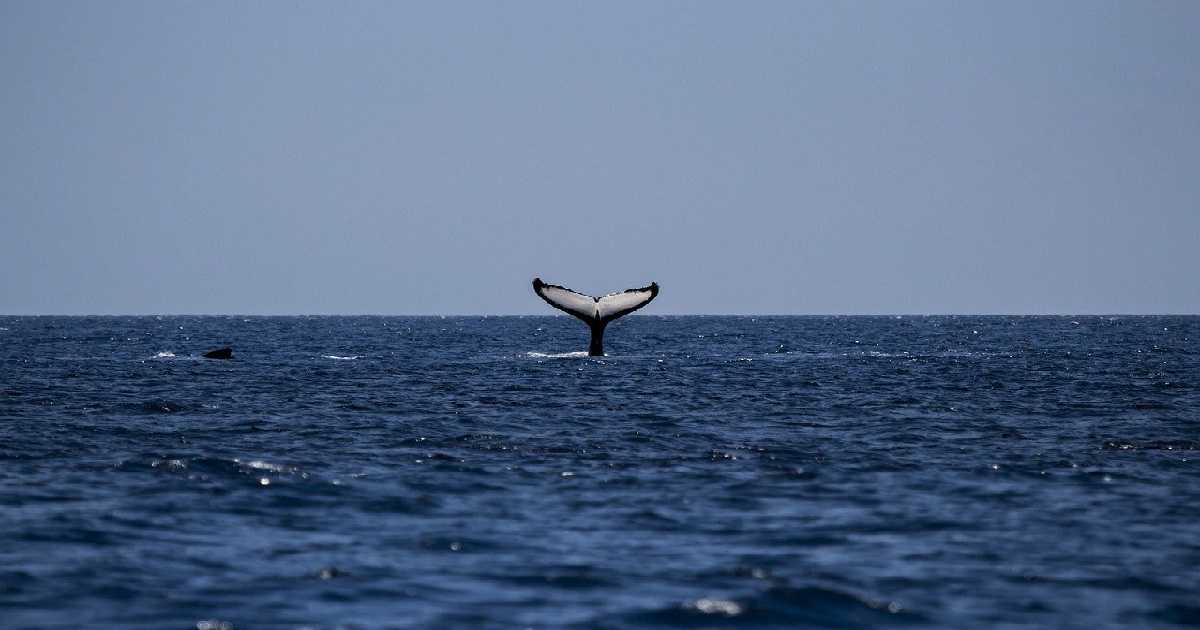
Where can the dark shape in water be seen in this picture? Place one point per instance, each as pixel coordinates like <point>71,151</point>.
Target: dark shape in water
<point>219,353</point>
<point>596,312</point>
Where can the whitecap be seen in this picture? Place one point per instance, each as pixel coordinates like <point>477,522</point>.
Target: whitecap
<point>339,358</point>
<point>258,464</point>
<point>164,355</point>
<point>556,355</point>
<point>713,606</point>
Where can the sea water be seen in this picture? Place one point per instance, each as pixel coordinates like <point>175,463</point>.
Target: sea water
<point>709,472</point>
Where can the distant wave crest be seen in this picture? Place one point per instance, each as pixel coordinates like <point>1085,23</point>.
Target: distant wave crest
<point>556,355</point>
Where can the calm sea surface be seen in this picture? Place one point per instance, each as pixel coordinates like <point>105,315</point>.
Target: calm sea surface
<point>478,472</point>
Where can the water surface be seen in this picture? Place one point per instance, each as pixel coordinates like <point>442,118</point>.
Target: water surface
<point>710,472</point>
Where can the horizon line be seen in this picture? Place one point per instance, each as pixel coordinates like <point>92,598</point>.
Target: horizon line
<point>487,315</point>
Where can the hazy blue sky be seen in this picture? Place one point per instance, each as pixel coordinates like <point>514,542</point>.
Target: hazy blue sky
<point>792,157</point>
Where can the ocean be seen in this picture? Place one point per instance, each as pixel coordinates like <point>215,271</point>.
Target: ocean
<point>482,472</point>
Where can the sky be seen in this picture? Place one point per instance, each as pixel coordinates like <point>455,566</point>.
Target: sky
<point>433,158</point>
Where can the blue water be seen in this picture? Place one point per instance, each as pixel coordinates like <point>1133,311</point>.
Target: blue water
<point>710,472</point>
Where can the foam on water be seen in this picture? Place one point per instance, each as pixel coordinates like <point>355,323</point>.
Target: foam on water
<point>558,355</point>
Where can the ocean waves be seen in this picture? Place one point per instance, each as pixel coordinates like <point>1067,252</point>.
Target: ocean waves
<point>709,472</point>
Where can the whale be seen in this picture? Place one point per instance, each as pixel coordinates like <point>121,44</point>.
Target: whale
<point>219,353</point>
<point>596,312</point>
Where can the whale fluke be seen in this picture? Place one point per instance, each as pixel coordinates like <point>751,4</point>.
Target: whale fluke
<point>596,312</point>
<point>219,353</point>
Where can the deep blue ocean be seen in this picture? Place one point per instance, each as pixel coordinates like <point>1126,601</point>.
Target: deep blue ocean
<point>479,472</point>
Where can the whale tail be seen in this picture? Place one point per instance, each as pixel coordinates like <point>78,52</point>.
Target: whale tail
<point>596,312</point>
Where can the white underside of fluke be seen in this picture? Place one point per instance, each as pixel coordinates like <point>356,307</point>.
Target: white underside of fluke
<point>588,308</point>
